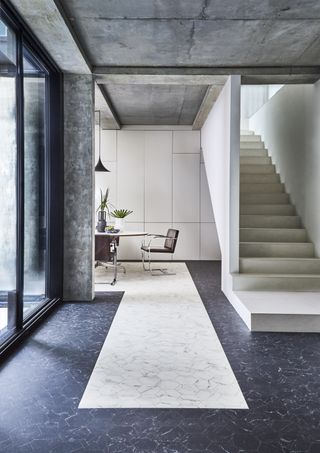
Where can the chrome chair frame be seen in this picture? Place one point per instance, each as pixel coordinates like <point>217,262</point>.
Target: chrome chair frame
<point>163,271</point>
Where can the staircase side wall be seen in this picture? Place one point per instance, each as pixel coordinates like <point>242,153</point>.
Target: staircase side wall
<point>220,142</point>
<point>289,124</point>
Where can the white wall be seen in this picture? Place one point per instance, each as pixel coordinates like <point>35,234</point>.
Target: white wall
<point>290,127</point>
<point>220,141</point>
<point>253,97</point>
<point>159,175</point>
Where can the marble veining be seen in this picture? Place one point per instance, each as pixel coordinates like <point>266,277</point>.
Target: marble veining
<point>162,350</point>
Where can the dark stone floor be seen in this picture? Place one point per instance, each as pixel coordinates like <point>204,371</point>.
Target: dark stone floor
<point>43,381</point>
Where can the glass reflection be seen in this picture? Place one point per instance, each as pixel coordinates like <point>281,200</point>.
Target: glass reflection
<point>34,191</point>
<point>8,158</point>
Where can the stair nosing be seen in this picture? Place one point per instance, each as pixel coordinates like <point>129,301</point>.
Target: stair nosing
<point>290,258</point>
<point>267,215</point>
<point>276,275</point>
<point>277,243</point>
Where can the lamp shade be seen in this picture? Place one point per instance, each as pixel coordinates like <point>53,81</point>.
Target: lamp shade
<point>100,166</point>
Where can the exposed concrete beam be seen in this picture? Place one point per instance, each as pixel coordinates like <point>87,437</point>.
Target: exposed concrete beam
<point>160,79</point>
<point>206,106</point>
<point>279,79</point>
<point>195,70</point>
<point>199,75</point>
<point>109,118</point>
<point>49,25</point>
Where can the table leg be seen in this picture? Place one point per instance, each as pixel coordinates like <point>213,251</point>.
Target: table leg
<point>115,262</point>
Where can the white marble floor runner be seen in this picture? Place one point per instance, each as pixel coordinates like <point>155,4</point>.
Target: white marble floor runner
<point>162,350</point>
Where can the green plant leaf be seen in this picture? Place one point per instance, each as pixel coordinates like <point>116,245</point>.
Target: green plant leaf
<point>120,213</point>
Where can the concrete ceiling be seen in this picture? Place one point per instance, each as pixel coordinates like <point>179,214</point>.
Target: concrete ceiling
<point>157,61</point>
<point>197,32</point>
<point>156,104</point>
<point>168,34</point>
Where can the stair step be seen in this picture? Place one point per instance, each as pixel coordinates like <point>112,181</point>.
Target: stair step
<point>280,311</point>
<point>280,265</point>
<point>274,252</point>
<point>264,198</point>
<point>246,132</point>
<point>250,138</point>
<point>273,187</point>
<point>256,169</point>
<point>267,209</point>
<point>253,152</point>
<point>279,282</point>
<point>276,249</point>
<point>259,179</point>
<point>251,145</point>
<point>269,221</point>
<point>273,235</point>
<point>255,160</point>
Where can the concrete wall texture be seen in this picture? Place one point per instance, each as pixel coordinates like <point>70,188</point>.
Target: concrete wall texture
<point>290,127</point>
<point>78,186</point>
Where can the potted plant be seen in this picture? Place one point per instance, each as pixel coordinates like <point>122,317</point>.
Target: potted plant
<point>120,215</point>
<point>103,209</point>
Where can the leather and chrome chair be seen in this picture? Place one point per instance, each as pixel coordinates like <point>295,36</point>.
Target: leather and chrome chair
<point>169,246</point>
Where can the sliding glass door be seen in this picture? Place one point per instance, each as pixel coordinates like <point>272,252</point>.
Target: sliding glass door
<point>34,89</point>
<point>8,171</point>
<point>31,179</point>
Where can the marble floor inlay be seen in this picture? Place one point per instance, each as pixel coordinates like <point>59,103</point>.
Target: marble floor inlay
<point>161,350</point>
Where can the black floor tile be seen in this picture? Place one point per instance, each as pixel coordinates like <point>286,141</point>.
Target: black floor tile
<point>42,383</point>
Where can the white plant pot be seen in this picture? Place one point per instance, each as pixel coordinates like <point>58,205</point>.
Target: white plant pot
<point>119,224</point>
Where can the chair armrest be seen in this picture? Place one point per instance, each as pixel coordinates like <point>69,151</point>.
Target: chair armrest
<point>161,236</point>
<point>153,237</point>
<point>156,235</point>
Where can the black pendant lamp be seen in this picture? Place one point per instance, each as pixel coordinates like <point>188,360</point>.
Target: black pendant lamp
<point>100,167</point>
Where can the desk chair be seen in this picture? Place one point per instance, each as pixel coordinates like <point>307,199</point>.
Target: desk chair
<point>169,246</point>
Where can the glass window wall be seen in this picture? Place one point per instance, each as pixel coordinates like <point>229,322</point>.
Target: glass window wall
<point>8,166</point>
<point>31,179</point>
<point>34,88</point>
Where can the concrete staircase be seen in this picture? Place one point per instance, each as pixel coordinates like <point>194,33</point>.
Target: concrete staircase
<point>275,252</point>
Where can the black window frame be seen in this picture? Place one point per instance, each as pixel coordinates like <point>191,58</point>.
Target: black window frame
<point>53,178</point>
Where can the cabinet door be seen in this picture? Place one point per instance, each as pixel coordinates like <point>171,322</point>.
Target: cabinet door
<point>105,180</point>
<point>186,187</point>
<point>108,145</point>
<point>130,247</point>
<point>130,180</point>
<point>158,177</point>
<point>186,142</point>
<point>209,243</point>
<point>188,241</point>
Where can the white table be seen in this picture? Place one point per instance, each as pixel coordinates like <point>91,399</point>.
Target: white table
<point>114,246</point>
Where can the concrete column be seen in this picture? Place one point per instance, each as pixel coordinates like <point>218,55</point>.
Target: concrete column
<point>78,187</point>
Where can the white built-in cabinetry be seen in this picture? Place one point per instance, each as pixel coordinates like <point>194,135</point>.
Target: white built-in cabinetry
<point>159,175</point>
